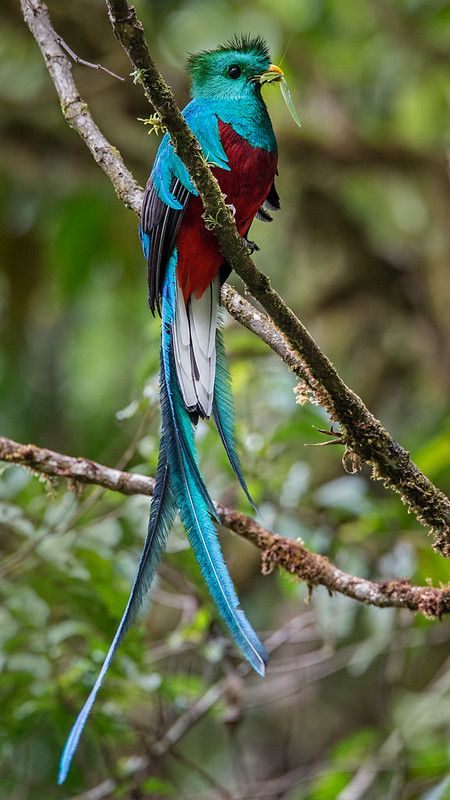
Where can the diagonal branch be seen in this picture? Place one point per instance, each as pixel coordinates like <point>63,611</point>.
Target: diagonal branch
<point>293,556</point>
<point>362,434</point>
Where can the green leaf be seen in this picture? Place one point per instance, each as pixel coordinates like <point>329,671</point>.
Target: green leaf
<point>287,97</point>
<point>158,786</point>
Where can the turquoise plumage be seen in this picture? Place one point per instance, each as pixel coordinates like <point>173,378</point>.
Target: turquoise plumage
<point>223,413</point>
<point>162,515</point>
<point>189,489</point>
<point>185,270</point>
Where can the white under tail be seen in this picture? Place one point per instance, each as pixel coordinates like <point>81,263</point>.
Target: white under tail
<point>194,340</point>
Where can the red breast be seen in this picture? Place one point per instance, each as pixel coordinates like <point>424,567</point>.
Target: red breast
<point>246,186</point>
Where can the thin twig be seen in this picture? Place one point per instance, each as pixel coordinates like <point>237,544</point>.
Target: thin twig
<point>85,63</point>
<point>293,556</point>
<point>189,718</point>
<point>193,766</point>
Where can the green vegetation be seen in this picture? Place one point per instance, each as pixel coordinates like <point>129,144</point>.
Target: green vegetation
<point>356,702</point>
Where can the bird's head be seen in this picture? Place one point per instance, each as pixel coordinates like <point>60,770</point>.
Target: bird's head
<point>235,70</point>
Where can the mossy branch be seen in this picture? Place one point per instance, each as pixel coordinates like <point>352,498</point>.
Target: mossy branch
<point>293,556</point>
<point>362,434</point>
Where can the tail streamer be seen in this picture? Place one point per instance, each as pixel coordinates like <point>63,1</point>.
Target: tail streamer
<point>162,515</point>
<point>180,487</point>
<point>190,490</point>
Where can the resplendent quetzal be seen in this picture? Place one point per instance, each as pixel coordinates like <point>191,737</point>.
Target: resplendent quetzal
<point>185,272</point>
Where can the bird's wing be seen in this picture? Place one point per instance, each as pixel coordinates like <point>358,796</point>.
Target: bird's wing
<point>168,190</point>
<point>160,223</point>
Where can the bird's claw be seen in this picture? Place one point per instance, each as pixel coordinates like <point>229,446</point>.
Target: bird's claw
<point>338,437</point>
<point>252,247</point>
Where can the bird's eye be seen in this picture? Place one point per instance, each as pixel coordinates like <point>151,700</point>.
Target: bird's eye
<point>234,71</point>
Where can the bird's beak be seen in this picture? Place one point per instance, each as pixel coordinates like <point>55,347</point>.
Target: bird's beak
<point>273,74</point>
<point>276,72</point>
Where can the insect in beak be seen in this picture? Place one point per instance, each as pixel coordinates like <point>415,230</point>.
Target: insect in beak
<point>276,75</point>
<point>273,74</point>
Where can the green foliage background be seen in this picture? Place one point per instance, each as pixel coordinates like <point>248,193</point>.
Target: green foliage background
<point>356,702</point>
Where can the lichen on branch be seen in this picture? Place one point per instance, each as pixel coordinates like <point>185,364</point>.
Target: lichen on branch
<point>291,555</point>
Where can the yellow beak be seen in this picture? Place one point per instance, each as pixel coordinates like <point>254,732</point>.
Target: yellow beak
<point>276,71</point>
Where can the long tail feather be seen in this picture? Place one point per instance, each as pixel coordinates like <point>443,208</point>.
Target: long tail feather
<point>162,514</point>
<point>179,484</point>
<point>189,490</point>
<point>223,413</point>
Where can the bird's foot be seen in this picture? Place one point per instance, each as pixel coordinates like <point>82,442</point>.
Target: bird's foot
<point>252,247</point>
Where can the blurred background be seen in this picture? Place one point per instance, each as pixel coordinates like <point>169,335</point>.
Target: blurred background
<point>356,702</point>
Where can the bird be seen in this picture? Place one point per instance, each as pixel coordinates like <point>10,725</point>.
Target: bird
<point>186,269</point>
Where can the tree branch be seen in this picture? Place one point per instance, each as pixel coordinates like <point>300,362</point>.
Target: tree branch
<point>362,434</point>
<point>73,106</point>
<point>313,569</point>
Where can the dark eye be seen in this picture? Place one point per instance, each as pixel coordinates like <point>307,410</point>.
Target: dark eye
<point>234,71</point>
